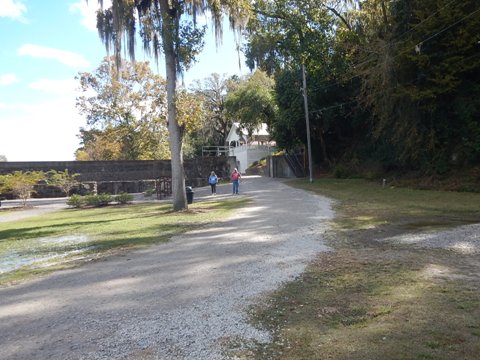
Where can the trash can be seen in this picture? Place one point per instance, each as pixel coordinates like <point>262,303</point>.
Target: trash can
<point>189,192</point>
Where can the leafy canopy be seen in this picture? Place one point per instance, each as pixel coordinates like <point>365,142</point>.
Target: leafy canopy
<point>253,101</point>
<point>20,183</point>
<point>126,113</point>
<point>64,180</point>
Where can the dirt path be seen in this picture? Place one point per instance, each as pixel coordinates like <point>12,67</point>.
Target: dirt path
<point>26,213</point>
<point>183,300</point>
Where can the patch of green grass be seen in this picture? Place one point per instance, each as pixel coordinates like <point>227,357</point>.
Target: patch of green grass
<point>365,205</point>
<point>38,244</point>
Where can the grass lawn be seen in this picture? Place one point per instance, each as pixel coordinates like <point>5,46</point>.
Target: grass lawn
<point>72,236</point>
<point>370,299</point>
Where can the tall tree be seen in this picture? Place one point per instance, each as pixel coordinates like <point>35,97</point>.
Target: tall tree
<point>125,111</point>
<point>168,27</point>
<point>286,34</point>
<point>214,90</point>
<point>253,101</point>
<point>191,118</point>
<point>98,144</point>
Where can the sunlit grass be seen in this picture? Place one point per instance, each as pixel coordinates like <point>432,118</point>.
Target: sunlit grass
<point>46,242</point>
<point>363,204</point>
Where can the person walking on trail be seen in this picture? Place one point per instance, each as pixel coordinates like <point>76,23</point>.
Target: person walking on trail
<point>213,180</point>
<point>235,180</point>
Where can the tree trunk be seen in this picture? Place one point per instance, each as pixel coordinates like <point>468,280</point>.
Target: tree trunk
<point>324,148</point>
<point>174,131</point>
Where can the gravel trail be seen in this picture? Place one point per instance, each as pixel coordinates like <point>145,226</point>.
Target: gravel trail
<point>181,300</point>
<point>462,239</point>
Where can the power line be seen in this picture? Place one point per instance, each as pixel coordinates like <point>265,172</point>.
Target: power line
<point>380,91</point>
<point>448,27</point>
<point>424,20</point>
<point>416,47</point>
<point>397,37</point>
<point>412,28</point>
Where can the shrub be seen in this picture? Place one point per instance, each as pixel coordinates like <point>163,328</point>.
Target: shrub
<point>372,170</point>
<point>341,172</point>
<point>91,200</point>
<point>149,192</point>
<point>21,183</point>
<point>75,201</point>
<point>104,199</point>
<point>63,180</point>
<point>124,198</point>
<point>98,200</point>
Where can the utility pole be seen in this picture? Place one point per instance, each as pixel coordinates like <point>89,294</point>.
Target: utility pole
<point>307,120</point>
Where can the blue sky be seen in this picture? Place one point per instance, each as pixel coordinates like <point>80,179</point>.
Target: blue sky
<point>45,43</point>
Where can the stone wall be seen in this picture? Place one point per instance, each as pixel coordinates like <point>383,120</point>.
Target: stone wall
<point>128,175</point>
<point>96,170</point>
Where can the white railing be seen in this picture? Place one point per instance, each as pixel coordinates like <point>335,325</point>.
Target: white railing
<point>230,150</point>
<point>215,150</point>
<point>249,147</point>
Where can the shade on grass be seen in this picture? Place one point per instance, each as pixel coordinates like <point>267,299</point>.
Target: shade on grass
<point>46,241</point>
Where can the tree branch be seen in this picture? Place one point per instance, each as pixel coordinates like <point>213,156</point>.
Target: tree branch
<point>339,16</point>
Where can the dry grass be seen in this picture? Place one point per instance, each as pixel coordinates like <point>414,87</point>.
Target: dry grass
<point>375,303</point>
<point>372,300</point>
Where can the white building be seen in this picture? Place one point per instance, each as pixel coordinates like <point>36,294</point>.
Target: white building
<point>248,149</point>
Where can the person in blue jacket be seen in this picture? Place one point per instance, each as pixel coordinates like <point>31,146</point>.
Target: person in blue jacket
<point>213,180</point>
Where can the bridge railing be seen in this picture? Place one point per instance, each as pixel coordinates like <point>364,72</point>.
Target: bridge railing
<point>215,150</point>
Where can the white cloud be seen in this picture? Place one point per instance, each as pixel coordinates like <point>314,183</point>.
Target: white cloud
<point>65,86</point>
<point>40,131</point>
<point>88,12</point>
<point>12,9</point>
<point>65,57</point>
<point>7,79</point>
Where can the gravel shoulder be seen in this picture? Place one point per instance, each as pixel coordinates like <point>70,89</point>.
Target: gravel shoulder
<point>183,300</point>
<point>463,239</point>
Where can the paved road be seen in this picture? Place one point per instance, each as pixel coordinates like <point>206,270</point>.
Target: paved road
<point>181,300</point>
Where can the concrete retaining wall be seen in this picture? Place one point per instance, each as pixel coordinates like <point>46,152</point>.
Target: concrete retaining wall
<point>278,167</point>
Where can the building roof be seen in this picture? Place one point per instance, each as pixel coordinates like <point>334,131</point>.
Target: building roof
<point>259,131</point>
